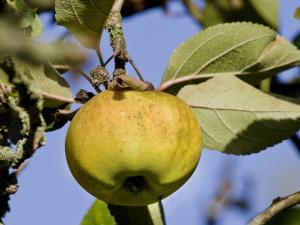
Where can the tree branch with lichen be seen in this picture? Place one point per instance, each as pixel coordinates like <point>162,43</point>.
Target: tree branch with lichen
<point>118,43</point>
<point>24,108</point>
<point>278,205</point>
<point>117,40</point>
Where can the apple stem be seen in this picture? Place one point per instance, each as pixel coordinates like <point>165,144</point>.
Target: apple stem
<point>125,82</point>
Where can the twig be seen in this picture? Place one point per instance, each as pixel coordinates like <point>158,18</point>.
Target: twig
<point>221,200</point>
<point>108,60</point>
<point>114,27</point>
<point>117,40</point>
<point>100,56</point>
<point>277,206</point>
<point>59,98</point>
<point>79,71</point>
<point>194,10</point>
<point>135,67</point>
<point>21,168</point>
<point>65,114</point>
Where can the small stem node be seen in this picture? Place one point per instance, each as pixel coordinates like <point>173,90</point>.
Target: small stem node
<point>83,96</point>
<point>125,82</point>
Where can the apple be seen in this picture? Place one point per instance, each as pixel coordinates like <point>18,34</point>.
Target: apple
<point>133,148</point>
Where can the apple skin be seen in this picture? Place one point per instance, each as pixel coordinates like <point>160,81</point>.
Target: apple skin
<point>133,148</point>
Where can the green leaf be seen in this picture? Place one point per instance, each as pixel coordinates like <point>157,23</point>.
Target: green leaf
<point>27,16</point>
<point>297,13</point>
<point>98,214</point>
<point>251,51</point>
<point>37,27</point>
<point>213,15</point>
<point>268,10</point>
<point>84,18</point>
<point>237,118</point>
<point>222,11</point>
<point>54,122</point>
<point>13,42</point>
<point>46,80</point>
<point>4,78</point>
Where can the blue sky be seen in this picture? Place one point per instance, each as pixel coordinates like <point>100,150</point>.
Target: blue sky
<point>49,195</point>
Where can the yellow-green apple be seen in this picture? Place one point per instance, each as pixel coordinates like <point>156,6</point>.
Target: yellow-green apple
<point>133,148</point>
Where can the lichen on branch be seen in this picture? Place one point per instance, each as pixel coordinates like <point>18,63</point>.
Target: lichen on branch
<point>114,27</point>
<point>22,127</point>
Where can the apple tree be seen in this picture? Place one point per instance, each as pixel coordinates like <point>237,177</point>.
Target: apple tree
<point>220,91</point>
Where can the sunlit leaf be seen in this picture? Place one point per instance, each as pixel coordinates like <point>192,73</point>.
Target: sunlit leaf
<point>251,51</point>
<point>98,214</point>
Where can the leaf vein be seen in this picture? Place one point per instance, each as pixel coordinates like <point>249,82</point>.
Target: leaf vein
<point>194,52</point>
<point>228,51</point>
<point>235,133</point>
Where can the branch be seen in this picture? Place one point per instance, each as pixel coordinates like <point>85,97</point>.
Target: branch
<point>114,27</point>
<point>58,98</point>
<point>276,207</point>
<point>100,57</point>
<point>117,40</point>
<point>194,10</point>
